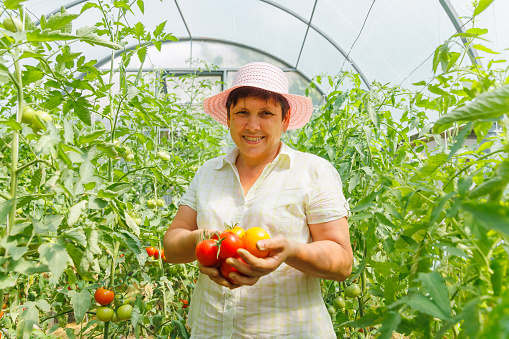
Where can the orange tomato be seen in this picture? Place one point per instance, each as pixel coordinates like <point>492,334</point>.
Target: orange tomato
<point>238,231</point>
<point>251,237</point>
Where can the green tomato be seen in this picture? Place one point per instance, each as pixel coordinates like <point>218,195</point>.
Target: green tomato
<point>13,24</point>
<point>163,155</point>
<point>128,156</point>
<point>151,203</point>
<point>339,303</point>
<point>104,313</point>
<point>160,202</point>
<point>40,118</point>
<point>124,312</point>
<point>331,310</point>
<point>28,115</point>
<point>137,221</point>
<point>352,291</point>
<point>114,318</point>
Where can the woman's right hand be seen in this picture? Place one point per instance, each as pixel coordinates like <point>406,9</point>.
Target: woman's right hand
<point>213,273</point>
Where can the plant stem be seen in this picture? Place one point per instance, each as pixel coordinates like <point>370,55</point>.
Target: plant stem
<point>15,144</point>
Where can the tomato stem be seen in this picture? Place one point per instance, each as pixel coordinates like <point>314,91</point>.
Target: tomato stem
<point>15,144</point>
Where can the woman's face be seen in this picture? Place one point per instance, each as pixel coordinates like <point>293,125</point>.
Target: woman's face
<point>256,126</point>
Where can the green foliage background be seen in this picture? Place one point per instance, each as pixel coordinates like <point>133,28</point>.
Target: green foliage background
<point>429,224</point>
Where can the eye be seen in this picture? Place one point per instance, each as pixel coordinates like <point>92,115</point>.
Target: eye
<point>267,114</point>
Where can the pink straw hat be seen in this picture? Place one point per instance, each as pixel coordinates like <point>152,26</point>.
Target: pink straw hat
<point>266,76</point>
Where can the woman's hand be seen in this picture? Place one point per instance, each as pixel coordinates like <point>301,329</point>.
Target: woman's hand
<point>279,249</point>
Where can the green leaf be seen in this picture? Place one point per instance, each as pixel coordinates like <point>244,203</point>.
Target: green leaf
<point>58,20</point>
<point>484,49</point>
<point>86,171</point>
<point>133,243</point>
<point>88,138</point>
<point>12,123</point>
<point>5,207</point>
<point>76,211</point>
<point>491,214</point>
<point>4,75</point>
<point>12,4</point>
<point>55,256</point>
<point>95,203</point>
<point>422,304</point>
<point>141,5</point>
<point>371,318</point>
<point>460,139</point>
<point>434,284</point>
<point>27,320</point>
<point>86,34</point>
<point>487,105</point>
<point>77,235</point>
<point>81,302</point>
<point>131,223</point>
<point>389,325</point>
<point>53,221</point>
<point>7,280</point>
<point>384,220</point>
<point>481,6</point>
<point>432,165</point>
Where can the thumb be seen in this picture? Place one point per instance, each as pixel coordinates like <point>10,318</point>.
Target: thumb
<point>269,244</point>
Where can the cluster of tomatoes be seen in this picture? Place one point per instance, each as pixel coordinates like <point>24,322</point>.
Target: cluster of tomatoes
<point>104,313</point>
<point>215,250</point>
<point>153,203</point>
<point>154,252</point>
<point>36,119</point>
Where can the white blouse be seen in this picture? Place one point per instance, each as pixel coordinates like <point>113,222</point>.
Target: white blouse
<point>295,190</point>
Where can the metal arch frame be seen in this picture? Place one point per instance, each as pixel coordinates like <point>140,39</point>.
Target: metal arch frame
<point>287,67</point>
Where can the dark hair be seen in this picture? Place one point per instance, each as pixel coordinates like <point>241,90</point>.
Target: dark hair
<point>255,92</point>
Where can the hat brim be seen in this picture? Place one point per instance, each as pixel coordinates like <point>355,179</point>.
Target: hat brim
<point>301,108</point>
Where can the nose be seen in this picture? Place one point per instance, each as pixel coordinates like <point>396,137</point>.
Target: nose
<point>252,123</point>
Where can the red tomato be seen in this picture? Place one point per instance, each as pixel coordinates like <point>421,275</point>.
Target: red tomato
<point>156,253</point>
<point>162,255</point>
<point>206,252</point>
<point>185,303</point>
<point>230,243</point>
<point>251,238</point>
<point>104,296</point>
<point>227,269</point>
<point>151,251</point>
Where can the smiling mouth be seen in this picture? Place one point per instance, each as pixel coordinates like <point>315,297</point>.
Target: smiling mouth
<point>253,139</point>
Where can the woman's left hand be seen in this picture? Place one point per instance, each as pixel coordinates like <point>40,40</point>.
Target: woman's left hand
<point>279,249</point>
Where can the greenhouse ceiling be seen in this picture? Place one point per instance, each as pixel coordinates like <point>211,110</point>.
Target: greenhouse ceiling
<point>389,41</point>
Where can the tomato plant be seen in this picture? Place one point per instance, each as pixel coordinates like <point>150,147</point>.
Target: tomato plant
<point>103,296</point>
<point>251,237</point>
<point>207,252</point>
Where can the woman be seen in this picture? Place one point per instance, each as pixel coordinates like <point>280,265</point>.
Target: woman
<point>297,197</point>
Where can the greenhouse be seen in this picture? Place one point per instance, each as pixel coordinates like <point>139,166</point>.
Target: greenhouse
<point>254,169</point>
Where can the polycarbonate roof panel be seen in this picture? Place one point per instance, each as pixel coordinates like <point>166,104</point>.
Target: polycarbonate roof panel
<point>302,8</point>
<point>249,22</point>
<point>397,37</point>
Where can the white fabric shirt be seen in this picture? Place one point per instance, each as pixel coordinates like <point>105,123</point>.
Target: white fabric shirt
<point>295,190</point>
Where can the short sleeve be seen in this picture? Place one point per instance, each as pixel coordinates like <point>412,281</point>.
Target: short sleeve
<point>327,202</point>
<point>190,197</point>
